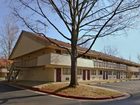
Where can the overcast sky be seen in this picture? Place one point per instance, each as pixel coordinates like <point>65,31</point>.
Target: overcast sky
<point>127,44</point>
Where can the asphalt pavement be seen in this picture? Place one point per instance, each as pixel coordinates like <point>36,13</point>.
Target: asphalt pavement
<point>10,95</point>
<point>132,87</point>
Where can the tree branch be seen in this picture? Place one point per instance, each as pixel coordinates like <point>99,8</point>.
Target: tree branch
<point>43,15</point>
<point>101,29</point>
<point>90,8</point>
<point>41,33</point>
<point>59,14</point>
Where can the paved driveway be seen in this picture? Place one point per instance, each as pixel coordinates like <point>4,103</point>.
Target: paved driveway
<point>15,96</point>
<point>131,87</point>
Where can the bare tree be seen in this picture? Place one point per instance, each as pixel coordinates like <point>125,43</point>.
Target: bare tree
<point>8,36</point>
<point>138,57</point>
<point>78,19</point>
<point>85,45</point>
<point>110,50</point>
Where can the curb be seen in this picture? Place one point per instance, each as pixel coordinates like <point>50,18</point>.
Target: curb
<point>65,96</point>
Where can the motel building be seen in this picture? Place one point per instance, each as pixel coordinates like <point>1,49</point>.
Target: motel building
<point>36,59</point>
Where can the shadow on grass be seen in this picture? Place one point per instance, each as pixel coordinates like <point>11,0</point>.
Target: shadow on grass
<point>59,90</point>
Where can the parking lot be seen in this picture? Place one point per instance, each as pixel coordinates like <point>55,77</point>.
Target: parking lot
<point>131,87</point>
<point>10,95</point>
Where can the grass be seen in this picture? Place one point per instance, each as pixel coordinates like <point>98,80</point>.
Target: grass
<point>81,90</point>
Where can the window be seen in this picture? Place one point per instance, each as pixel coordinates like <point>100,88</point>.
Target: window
<point>66,71</point>
<point>135,73</point>
<point>67,79</point>
<point>58,51</point>
<point>93,72</point>
<point>110,65</point>
<point>114,72</point>
<point>95,63</point>
<point>100,64</point>
<point>83,56</point>
<point>107,64</point>
<point>121,73</point>
<point>103,64</point>
<point>109,72</point>
<point>100,72</point>
<point>88,57</point>
<point>124,73</point>
<point>65,52</point>
<point>79,72</point>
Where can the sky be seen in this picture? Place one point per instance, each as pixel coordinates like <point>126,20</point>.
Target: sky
<point>128,45</point>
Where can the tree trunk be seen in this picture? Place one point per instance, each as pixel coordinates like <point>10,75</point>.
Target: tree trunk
<point>73,82</point>
<point>74,53</point>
